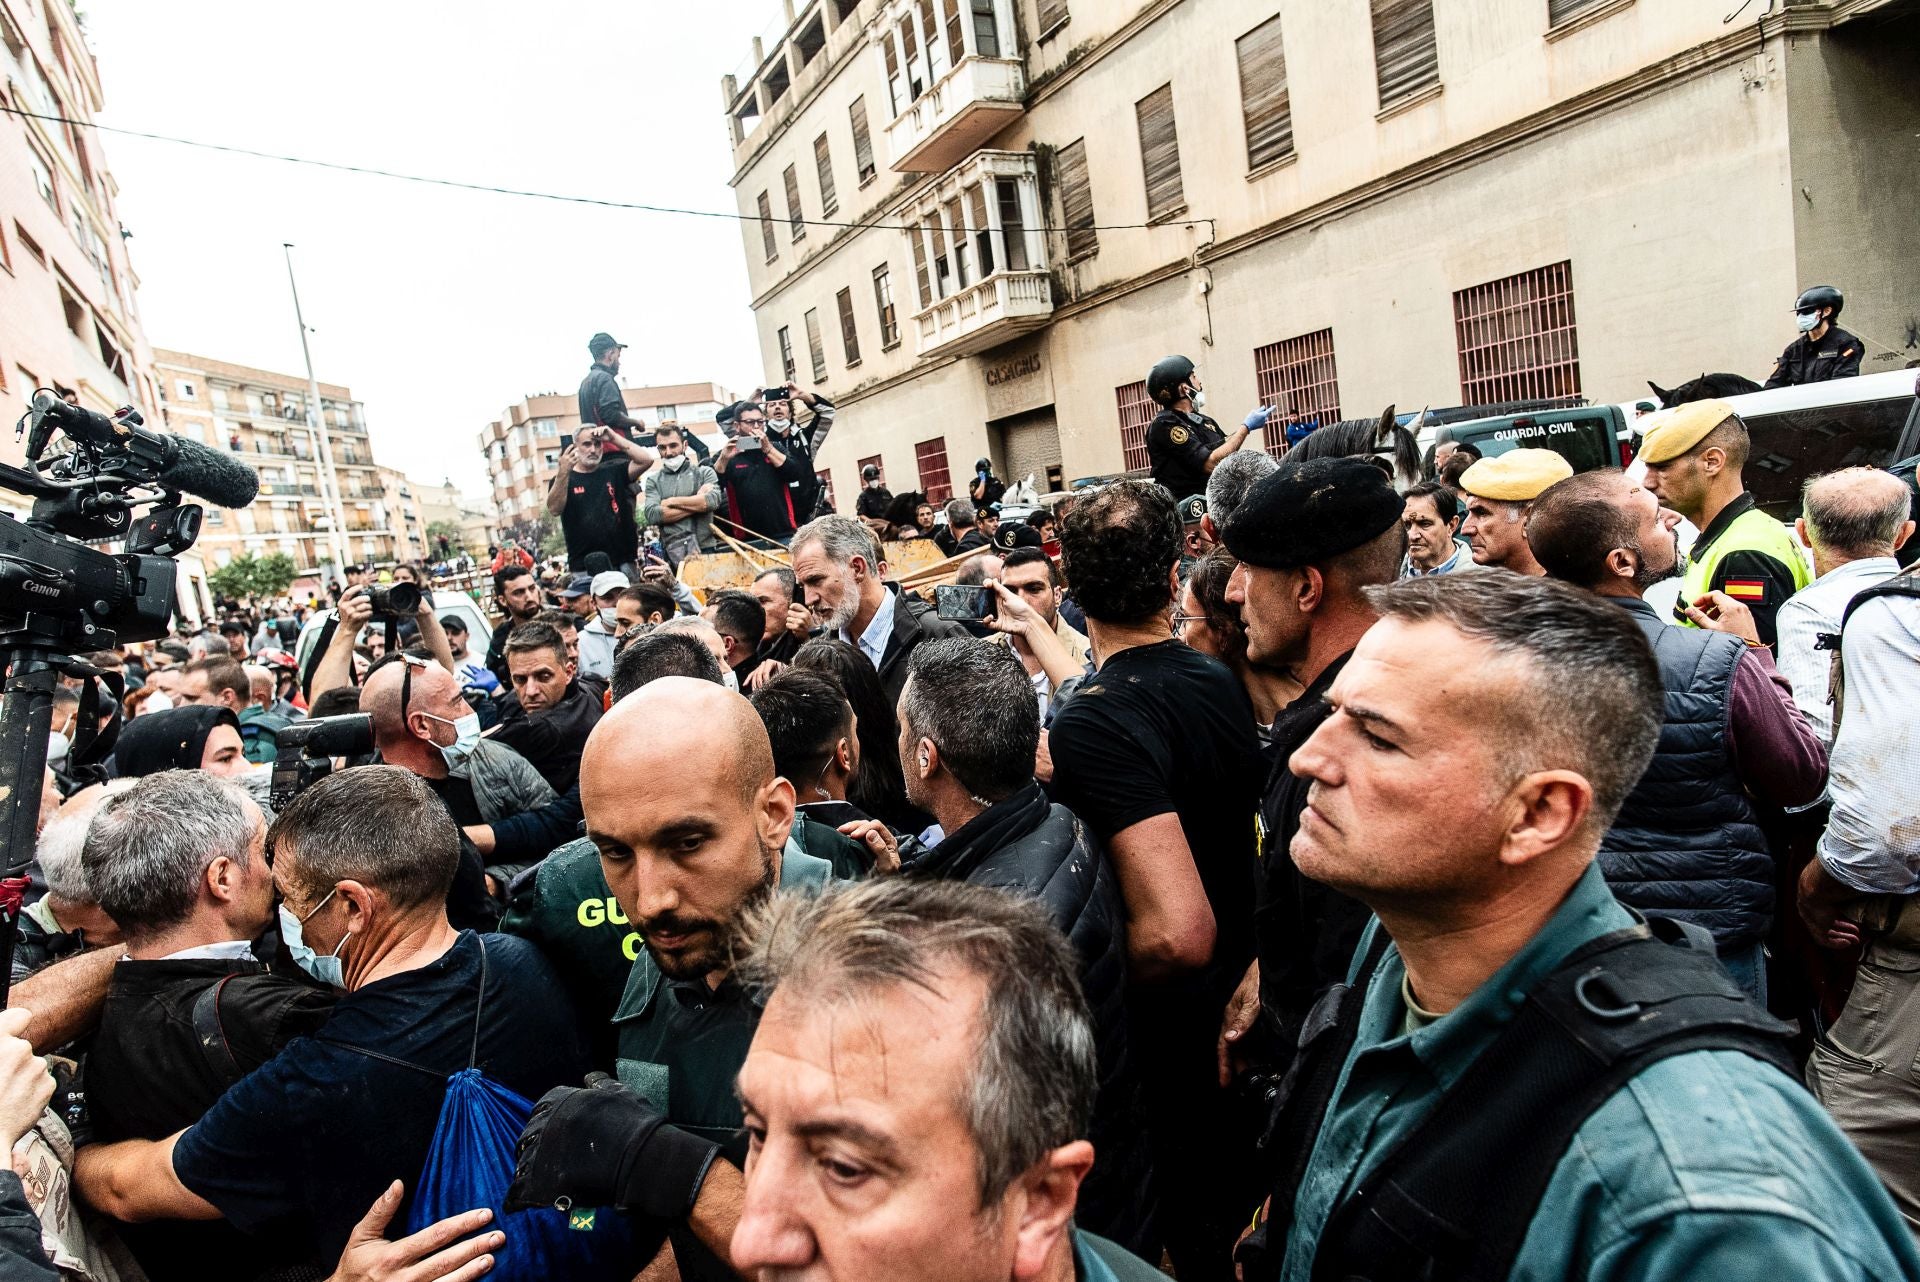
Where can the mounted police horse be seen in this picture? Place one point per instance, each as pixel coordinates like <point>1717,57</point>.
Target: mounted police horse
<point>1705,388</point>
<point>1394,449</point>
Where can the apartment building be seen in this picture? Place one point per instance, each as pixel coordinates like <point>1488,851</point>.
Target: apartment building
<point>977,223</point>
<point>67,311</point>
<point>522,446</point>
<point>406,515</point>
<point>261,416</point>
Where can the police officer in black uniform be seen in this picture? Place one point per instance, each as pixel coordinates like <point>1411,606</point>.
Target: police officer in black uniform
<point>1182,443</point>
<point>1823,350</point>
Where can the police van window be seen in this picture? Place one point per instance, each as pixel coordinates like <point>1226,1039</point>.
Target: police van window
<point>1584,442</point>
<point>1791,446</point>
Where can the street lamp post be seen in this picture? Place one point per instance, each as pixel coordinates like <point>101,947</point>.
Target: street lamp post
<point>323,447</point>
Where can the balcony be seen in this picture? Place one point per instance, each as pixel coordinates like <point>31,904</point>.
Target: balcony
<point>979,259</point>
<point>952,88</point>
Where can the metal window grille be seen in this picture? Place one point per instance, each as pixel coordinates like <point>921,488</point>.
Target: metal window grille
<point>930,458</point>
<point>1136,411</point>
<point>1298,378</point>
<point>1516,337</point>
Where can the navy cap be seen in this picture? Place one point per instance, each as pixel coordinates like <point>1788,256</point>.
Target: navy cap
<point>578,586</point>
<point>604,342</point>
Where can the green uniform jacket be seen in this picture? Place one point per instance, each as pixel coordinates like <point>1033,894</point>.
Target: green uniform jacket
<point>1748,555</point>
<point>1708,1164</point>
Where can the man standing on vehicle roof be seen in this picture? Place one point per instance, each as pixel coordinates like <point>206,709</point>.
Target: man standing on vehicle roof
<point>1823,350</point>
<point>1694,454</point>
<point>1184,445</point>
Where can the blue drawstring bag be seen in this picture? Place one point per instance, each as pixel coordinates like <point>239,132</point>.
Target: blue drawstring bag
<point>469,1165</point>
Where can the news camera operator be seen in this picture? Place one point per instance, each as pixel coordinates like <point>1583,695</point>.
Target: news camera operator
<point>359,607</point>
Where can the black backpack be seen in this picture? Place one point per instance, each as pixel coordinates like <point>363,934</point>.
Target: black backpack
<point>1455,1197</point>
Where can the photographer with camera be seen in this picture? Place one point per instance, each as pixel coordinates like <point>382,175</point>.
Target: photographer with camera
<point>364,604</point>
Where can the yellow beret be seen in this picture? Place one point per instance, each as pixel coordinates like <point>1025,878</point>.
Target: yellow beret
<point>1517,476</point>
<point>1667,434</point>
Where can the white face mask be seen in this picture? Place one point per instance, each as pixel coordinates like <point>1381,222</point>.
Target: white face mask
<point>466,737</point>
<point>678,463</point>
<point>329,969</point>
<point>610,618</point>
<point>1807,321</point>
<point>1199,400</point>
<point>730,681</point>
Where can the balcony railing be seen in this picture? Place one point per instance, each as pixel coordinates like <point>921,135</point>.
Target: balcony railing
<point>980,262</point>
<point>952,89</point>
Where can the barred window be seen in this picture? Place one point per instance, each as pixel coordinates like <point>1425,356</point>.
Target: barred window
<point>1517,339</point>
<point>1136,411</point>
<point>1297,377</point>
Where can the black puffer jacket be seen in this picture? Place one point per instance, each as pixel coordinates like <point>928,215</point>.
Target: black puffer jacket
<point>1026,844</point>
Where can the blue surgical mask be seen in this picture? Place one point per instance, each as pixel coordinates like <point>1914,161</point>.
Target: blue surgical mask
<point>466,737</point>
<point>328,969</point>
<point>1807,321</point>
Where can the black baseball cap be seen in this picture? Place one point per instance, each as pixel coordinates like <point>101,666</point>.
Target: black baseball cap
<point>453,623</point>
<point>604,342</point>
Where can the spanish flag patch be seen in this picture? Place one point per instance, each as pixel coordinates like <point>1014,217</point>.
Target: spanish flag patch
<point>1747,589</point>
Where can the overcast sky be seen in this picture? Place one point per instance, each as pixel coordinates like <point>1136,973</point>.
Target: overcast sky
<point>437,307</point>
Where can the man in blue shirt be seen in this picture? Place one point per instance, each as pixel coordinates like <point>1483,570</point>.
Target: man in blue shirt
<point>1482,737</point>
<point>302,1145</point>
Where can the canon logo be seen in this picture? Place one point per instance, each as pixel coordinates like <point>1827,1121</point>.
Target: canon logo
<point>42,588</point>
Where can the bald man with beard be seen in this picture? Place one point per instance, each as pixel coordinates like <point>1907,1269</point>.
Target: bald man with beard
<point>683,862</point>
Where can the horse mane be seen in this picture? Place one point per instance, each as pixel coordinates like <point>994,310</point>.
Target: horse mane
<point>1364,438</point>
<point>1705,388</point>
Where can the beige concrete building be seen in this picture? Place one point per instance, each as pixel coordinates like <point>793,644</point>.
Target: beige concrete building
<point>976,223</point>
<point>406,516</point>
<point>67,311</point>
<point>261,417</point>
<point>523,447</point>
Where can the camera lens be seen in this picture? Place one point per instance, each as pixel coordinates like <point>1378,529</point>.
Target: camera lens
<point>394,598</point>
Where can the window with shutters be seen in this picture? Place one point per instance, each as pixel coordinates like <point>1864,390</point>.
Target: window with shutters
<point>787,371</point>
<point>1136,412</point>
<point>862,141</point>
<point>823,163</point>
<point>766,227</point>
<point>1517,339</point>
<point>796,225</point>
<point>1297,377</point>
<point>816,349</point>
<point>1406,56</point>
<point>1160,153</point>
<point>1076,199</point>
<point>1013,224</point>
<point>1563,11</point>
<point>1052,14</point>
<point>1263,94</point>
<point>920,269</point>
<point>883,302</point>
<point>849,332</point>
<point>930,459</point>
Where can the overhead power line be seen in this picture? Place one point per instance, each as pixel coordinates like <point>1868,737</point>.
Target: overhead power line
<point>491,189</point>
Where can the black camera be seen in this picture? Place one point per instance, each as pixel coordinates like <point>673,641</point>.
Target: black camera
<point>394,600</point>
<point>307,749</point>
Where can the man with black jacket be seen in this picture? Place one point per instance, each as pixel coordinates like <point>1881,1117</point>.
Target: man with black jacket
<point>769,483</point>
<point>837,562</point>
<point>517,592</point>
<point>552,709</point>
<point>969,728</point>
<point>179,863</point>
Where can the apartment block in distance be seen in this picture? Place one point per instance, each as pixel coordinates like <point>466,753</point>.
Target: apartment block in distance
<point>67,313</point>
<point>522,446</point>
<point>976,224</point>
<point>260,416</point>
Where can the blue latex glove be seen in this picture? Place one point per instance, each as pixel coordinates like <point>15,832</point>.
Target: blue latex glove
<point>1258,419</point>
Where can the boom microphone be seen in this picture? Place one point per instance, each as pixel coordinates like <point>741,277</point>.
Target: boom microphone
<point>175,461</point>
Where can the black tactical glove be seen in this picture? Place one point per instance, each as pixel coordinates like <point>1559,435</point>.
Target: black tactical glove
<point>604,1145</point>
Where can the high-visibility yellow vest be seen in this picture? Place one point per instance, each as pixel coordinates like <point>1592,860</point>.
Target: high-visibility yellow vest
<point>1751,531</point>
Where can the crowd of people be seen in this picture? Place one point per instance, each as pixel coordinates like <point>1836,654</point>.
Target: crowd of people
<point>1298,870</point>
